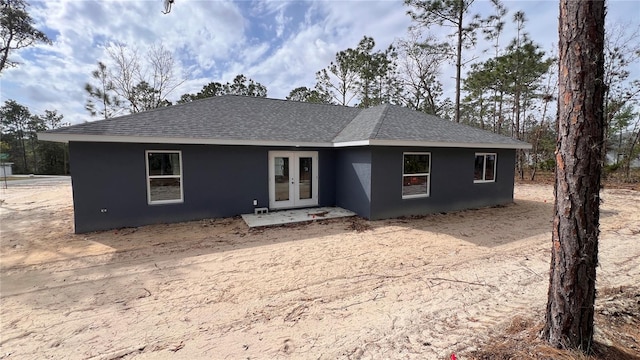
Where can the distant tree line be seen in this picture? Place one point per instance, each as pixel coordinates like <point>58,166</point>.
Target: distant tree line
<point>241,85</point>
<point>18,140</point>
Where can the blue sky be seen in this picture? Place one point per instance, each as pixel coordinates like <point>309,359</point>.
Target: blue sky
<point>281,44</point>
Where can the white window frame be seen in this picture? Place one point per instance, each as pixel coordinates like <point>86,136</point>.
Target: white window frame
<point>149,177</point>
<point>427,174</point>
<point>484,167</point>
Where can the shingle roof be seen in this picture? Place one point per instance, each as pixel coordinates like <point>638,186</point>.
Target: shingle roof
<point>364,126</point>
<point>400,123</point>
<point>244,120</point>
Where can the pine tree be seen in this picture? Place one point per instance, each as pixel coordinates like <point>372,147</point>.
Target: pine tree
<point>574,255</point>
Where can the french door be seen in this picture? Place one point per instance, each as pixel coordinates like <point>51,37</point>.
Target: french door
<point>293,179</point>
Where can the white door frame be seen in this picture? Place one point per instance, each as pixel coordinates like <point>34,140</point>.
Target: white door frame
<point>294,179</point>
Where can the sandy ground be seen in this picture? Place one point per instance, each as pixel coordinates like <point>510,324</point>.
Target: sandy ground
<point>405,288</point>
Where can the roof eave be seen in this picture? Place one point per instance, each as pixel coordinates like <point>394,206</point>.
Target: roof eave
<point>418,143</point>
<point>65,138</point>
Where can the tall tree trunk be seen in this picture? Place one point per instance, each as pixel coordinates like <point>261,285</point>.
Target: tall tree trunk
<point>519,153</point>
<point>35,155</point>
<point>24,151</point>
<point>65,154</point>
<point>635,137</point>
<point>482,112</point>
<point>459,60</point>
<point>574,255</point>
<point>5,51</point>
<point>500,115</point>
<point>516,112</point>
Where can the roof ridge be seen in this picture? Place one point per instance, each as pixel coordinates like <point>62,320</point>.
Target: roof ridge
<point>304,103</point>
<point>347,124</point>
<point>376,129</point>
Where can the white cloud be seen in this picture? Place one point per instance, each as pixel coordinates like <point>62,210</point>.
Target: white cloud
<point>281,21</point>
<point>324,29</point>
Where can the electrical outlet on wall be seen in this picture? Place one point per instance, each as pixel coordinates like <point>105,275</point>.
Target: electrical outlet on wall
<point>255,202</point>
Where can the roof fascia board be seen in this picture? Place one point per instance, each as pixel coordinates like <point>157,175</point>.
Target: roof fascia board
<point>522,145</point>
<point>352,143</point>
<point>65,138</point>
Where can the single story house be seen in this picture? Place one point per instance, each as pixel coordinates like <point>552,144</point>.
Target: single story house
<point>224,156</point>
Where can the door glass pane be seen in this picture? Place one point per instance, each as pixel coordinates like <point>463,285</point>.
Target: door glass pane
<point>281,171</point>
<point>305,177</point>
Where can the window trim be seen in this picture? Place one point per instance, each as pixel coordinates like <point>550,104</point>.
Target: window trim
<point>484,167</point>
<point>427,174</point>
<point>149,177</point>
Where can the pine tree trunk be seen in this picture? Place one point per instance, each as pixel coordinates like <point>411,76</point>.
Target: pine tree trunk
<point>459,60</point>
<point>574,257</point>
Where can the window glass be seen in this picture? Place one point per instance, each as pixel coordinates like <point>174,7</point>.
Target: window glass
<point>415,177</point>
<point>164,164</point>
<point>490,167</point>
<point>305,177</point>
<point>485,168</point>
<point>414,185</point>
<point>164,189</point>
<point>416,163</point>
<point>281,173</point>
<point>164,177</point>
<point>478,173</point>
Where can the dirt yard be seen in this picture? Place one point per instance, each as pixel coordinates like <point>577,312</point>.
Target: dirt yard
<point>407,288</point>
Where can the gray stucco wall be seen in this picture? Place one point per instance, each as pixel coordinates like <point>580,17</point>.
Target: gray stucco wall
<point>452,187</point>
<point>353,180</point>
<point>222,181</point>
<point>218,181</point>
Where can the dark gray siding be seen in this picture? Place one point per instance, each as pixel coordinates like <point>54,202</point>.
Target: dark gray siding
<point>222,181</point>
<point>353,180</point>
<point>452,187</point>
<point>218,181</point>
<point>327,177</point>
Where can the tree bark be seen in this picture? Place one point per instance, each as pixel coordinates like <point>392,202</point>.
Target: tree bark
<point>459,60</point>
<point>574,256</point>
<point>631,150</point>
<point>5,52</point>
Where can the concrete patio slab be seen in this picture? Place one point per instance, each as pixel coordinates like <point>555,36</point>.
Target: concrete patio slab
<point>282,217</point>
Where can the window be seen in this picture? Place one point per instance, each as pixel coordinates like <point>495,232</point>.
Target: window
<point>164,177</point>
<point>485,168</point>
<point>415,175</point>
